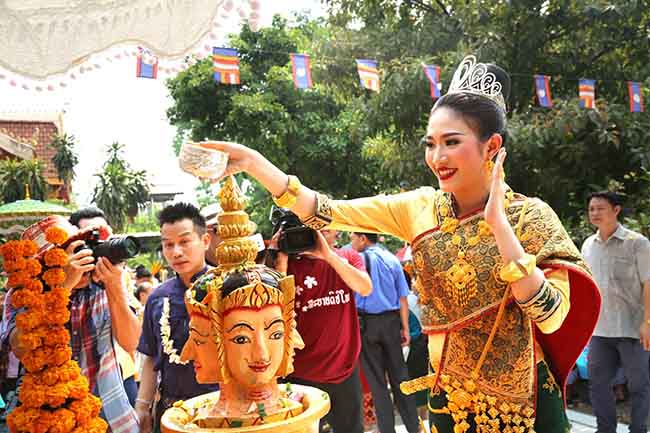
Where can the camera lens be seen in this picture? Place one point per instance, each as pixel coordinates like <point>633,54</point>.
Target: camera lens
<point>118,249</point>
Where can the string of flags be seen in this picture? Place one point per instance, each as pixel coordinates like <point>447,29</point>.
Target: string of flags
<point>226,71</point>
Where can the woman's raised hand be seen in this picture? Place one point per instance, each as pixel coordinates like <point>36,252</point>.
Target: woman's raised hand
<point>240,157</point>
<point>495,213</point>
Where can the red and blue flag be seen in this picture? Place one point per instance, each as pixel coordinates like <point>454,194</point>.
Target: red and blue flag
<point>301,71</point>
<point>433,74</point>
<point>587,93</point>
<point>636,97</point>
<point>226,65</point>
<point>368,74</point>
<point>543,90</point>
<point>147,65</point>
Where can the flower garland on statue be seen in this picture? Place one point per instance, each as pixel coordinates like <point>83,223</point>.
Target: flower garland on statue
<point>165,335</point>
<point>54,395</point>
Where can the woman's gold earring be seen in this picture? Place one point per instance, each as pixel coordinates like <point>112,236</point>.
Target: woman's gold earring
<point>489,167</point>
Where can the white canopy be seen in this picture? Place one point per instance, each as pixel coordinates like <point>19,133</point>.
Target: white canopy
<point>41,38</point>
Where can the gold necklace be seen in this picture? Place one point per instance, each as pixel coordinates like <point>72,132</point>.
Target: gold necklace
<point>461,284</point>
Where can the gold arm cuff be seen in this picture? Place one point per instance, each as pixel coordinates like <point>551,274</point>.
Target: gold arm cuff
<point>518,269</point>
<point>289,198</point>
<point>323,215</point>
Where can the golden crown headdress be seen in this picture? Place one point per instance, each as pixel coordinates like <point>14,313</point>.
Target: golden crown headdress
<point>473,77</point>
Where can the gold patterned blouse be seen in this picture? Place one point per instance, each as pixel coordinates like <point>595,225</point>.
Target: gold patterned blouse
<point>460,291</point>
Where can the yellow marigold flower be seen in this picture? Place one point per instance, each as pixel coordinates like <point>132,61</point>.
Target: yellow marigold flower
<point>29,248</point>
<point>32,396</point>
<point>56,235</point>
<point>35,360</point>
<point>97,425</point>
<point>58,316</point>
<point>54,277</point>
<point>33,267</point>
<point>58,336</point>
<point>17,279</point>
<point>63,421</point>
<point>12,250</point>
<point>25,298</point>
<point>56,395</point>
<point>449,225</point>
<point>22,418</point>
<point>85,409</point>
<point>29,320</point>
<point>78,387</point>
<point>56,257</point>
<point>60,355</point>
<point>42,424</point>
<point>484,228</point>
<point>31,340</point>
<point>34,286</point>
<point>13,265</point>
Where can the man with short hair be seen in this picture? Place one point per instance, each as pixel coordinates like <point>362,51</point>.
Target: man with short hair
<point>326,280</point>
<point>384,316</point>
<point>620,261</point>
<point>165,324</point>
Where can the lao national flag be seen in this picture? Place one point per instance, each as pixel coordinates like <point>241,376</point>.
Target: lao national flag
<point>636,97</point>
<point>587,93</point>
<point>368,74</point>
<point>543,90</point>
<point>301,70</point>
<point>147,65</point>
<point>433,74</point>
<point>226,65</point>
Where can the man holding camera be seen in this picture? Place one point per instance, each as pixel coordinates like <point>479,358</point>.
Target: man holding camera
<point>97,305</point>
<point>165,327</point>
<point>326,280</point>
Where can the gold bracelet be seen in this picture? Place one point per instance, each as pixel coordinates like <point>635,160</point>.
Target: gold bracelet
<point>518,269</point>
<point>289,198</point>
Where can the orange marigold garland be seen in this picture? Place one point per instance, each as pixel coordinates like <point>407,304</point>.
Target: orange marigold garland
<point>54,395</point>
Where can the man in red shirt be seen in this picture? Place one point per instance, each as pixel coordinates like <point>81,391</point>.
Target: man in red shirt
<point>328,324</point>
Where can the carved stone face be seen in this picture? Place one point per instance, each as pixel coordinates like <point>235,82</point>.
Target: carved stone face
<point>254,344</point>
<point>201,348</point>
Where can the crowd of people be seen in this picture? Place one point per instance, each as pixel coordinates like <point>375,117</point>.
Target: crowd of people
<point>495,304</point>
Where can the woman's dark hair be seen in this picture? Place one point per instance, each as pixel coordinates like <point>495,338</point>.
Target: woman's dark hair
<point>482,114</point>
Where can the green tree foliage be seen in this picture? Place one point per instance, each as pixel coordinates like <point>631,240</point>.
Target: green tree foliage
<point>317,134</point>
<point>65,159</point>
<point>120,190</point>
<point>15,174</point>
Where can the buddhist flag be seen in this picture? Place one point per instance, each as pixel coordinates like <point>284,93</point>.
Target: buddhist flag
<point>226,65</point>
<point>368,74</point>
<point>147,65</point>
<point>636,97</point>
<point>301,71</point>
<point>433,74</point>
<point>587,93</point>
<point>543,90</point>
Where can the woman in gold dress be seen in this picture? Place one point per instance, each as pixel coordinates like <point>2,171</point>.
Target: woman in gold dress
<point>507,301</point>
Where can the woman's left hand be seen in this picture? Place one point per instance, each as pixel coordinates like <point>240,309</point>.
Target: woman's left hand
<point>495,212</point>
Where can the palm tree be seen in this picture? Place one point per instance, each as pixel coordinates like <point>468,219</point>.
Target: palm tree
<point>15,174</point>
<point>121,190</point>
<point>65,159</point>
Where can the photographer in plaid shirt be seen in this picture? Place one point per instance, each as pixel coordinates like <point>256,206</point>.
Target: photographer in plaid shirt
<point>97,305</point>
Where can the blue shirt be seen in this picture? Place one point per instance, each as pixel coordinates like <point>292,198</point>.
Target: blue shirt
<point>177,380</point>
<point>388,282</point>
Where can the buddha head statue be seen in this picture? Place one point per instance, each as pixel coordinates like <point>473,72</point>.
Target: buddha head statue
<point>242,320</point>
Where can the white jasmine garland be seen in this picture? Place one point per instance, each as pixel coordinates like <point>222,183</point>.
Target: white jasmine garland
<point>165,334</point>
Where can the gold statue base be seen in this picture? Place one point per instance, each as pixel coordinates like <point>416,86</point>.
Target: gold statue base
<point>316,404</point>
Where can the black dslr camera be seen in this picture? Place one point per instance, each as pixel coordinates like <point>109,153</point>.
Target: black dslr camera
<point>116,249</point>
<point>296,237</point>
